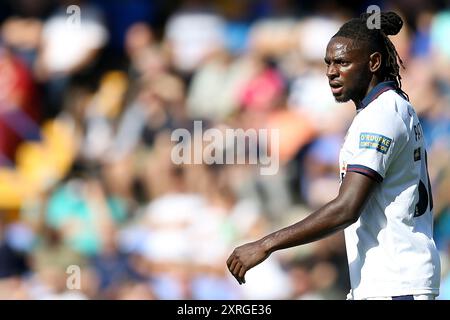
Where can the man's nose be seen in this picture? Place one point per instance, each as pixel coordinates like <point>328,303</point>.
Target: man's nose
<point>332,71</point>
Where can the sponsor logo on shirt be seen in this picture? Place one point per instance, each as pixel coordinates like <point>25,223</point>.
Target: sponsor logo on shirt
<point>368,140</point>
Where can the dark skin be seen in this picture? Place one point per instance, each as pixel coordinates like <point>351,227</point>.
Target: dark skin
<point>352,72</point>
<point>352,68</point>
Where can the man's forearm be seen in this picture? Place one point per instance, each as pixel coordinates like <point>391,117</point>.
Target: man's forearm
<point>354,192</point>
<point>329,219</point>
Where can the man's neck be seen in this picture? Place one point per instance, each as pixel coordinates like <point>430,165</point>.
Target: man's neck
<point>372,84</point>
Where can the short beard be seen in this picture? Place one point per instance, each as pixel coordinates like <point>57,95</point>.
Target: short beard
<point>342,99</point>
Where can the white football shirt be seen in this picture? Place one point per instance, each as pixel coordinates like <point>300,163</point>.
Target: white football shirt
<point>390,249</point>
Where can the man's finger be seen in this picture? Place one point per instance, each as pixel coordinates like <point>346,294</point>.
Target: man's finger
<point>237,278</point>
<point>237,271</point>
<point>232,265</point>
<point>236,267</point>
<point>242,273</point>
<point>230,259</point>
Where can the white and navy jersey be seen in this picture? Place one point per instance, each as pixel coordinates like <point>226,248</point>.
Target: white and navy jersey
<point>390,248</point>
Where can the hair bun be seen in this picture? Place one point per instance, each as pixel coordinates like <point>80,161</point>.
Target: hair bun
<point>391,23</point>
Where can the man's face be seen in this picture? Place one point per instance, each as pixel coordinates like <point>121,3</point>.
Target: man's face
<point>347,69</point>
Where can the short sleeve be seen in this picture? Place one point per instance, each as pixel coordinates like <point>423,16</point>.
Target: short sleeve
<point>377,140</point>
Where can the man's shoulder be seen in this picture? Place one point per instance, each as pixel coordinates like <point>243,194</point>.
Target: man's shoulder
<point>389,102</point>
<point>387,115</point>
<point>388,108</point>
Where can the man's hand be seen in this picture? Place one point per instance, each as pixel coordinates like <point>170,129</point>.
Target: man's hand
<point>246,257</point>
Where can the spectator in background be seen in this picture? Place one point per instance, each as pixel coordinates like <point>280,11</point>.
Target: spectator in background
<point>300,274</point>
<point>14,266</point>
<point>120,16</point>
<point>146,58</point>
<point>13,262</point>
<point>23,36</point>
<point>101,114</point>
<point>20,108</point>
<point>193,33</point>
<point>217,85</point>
<point>68,49</point>
<point>157,106</point>
<point>81,210</point>
<point>113,267</point>
<point>50,259</point>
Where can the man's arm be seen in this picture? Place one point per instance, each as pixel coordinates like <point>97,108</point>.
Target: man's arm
<point>336,215</point>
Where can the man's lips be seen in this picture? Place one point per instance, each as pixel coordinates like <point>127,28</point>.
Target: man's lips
<point>337,90</point>
<point>336,87</point>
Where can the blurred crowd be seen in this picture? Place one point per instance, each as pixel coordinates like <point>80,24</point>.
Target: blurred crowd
<point>86,116</point>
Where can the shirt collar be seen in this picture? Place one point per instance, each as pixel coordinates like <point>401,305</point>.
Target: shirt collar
<point>376,91</point>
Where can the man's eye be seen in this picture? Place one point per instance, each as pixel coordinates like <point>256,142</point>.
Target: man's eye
<point>344,63</point>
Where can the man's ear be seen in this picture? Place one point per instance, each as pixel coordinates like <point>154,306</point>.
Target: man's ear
<point>375,62</point>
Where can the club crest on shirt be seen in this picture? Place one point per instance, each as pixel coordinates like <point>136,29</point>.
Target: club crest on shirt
<point>369,140</point>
